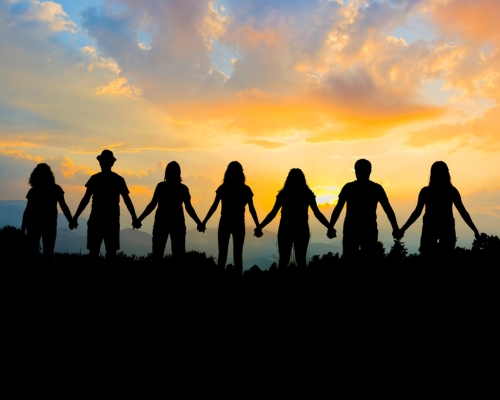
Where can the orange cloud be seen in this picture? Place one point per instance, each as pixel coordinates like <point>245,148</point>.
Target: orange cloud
<point>20,154</point>
<point>247,36</point>
<point>483,130</point>
<point>344,113</point>
<point>141,190</point>
<point>475,20</point>
<point>119,86</point>
<point>266,144</point>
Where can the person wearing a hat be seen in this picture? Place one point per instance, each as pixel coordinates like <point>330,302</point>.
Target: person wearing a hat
<point>105,188</point>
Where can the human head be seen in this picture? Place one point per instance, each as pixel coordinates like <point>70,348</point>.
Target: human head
<point>106,159</point>
<point>234,174</point>
<point>295,179</point>
<point>363,169</point>
<point>173,172</point>
<point>42,176</point>
<point>440,174</point>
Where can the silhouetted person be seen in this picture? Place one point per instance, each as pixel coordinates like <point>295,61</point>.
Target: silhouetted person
<point>40,215</point>
<point>294,199</point>
<point>360,225</point>
<point>438,230</point>
<point>169,195</point>
<point>234,195</point>
<point>105,188</point>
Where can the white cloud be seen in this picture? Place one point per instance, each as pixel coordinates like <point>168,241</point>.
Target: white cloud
<point>50,13</point>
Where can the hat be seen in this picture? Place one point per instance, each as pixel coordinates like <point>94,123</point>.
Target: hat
<point>106,155</point>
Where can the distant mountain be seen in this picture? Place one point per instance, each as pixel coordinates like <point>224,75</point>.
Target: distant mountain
<point>257,251</point>
<point>11,212</point>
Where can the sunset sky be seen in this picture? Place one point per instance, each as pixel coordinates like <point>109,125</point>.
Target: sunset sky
<point>274,84</point>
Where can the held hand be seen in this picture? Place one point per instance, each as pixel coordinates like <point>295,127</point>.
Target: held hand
<point>201,227</point>
<point>73,224</point>
<point>258,232</point>
<point>331,233</point>
<point>398,234</point>
<point>137,224</point>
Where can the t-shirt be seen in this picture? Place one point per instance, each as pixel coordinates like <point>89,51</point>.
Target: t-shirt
<point>439,204</point>
<point>106,189</point>
<point>234,198</point>
<point>295,204</point>
<point>170,198</point>
<point>42,202</point>
<point>361,199</point>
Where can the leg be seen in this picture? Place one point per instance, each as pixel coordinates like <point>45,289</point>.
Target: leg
<point>428,241</point>
<point>350,245</point>
<point>49,243</point>
<point>94,239</point>
<point>238,241</point>
<point>33,242</point>
<point>112,239</point>
<point>178,238</point>
<point>160,238</point>
<point>369,244</point>
<point>300,244</point>
<point>285,241</point>
<point>448,240</point>
<point>223,237</point>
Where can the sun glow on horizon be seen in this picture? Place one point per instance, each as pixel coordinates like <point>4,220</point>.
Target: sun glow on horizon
<point>275,85</point>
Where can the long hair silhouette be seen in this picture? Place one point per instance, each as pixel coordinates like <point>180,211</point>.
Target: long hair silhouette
<point>173,172</point>
<point>438,229</point>
<point>170,195</point>
<point>294,200</point>
<point>234,196</point>
<point>234,174</point>
<point>440,175</point>
<point>40,215</point>
<point>296,180</point>
<point>42,175</point>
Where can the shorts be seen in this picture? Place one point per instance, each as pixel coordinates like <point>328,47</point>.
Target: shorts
<point>109,231</point>
<point>364,239</point>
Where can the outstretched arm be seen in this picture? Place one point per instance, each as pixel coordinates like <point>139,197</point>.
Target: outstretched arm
<point>85,200</point>
<point>191,212</point>
<point>26,214</point>
<point>332,233</point>
<point>212,209</point>
<point>148,210</point>
<point>336,213</point>
<point>416,213</point>
<point>270,216</point>
<point>253,213</point>
<point>390,214</point>
<point>318,214</point>
<point>465,215</point>
<point>130,207</point>
<point>65,209</point>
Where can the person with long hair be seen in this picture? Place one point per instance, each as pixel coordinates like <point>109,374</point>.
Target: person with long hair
<point>294,200</point>
<point>234,195</point>
<point>438,198</point>
<point>40,215</point>
<point>169,196</point>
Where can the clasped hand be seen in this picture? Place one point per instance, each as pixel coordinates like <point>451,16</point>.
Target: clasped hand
<point>258,232</point>
<point>73,224</point>
<point>398,234</point>
<point>331,233</point>
<point>136,224</point>
<point>201,227</point>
